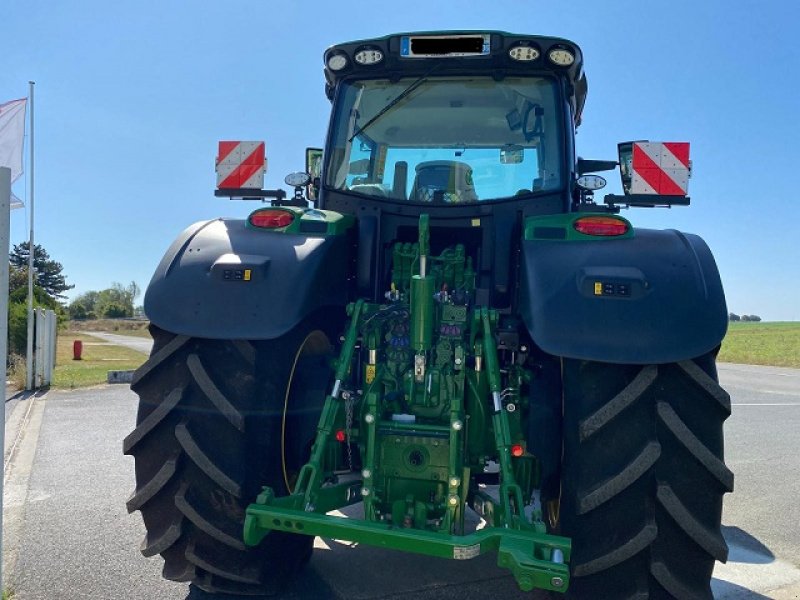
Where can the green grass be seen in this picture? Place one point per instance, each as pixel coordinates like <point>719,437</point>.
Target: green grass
<point>775,344</point>
<point>119,326</point>
<point>99,357</point>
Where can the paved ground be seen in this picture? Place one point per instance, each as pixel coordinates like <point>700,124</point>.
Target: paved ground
<point>68,534</point>
<point>136,343</point>
<point>761,447</point>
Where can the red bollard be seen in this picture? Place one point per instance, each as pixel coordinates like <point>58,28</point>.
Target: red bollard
<point>77,349</point>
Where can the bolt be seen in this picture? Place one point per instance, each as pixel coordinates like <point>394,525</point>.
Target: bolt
<point>457,425</point>
<point>365,491</point>
<point>455,481</point>
<point>511,407</point>
<point>523,348</point>
<point>369,418</point>
<point>366,473</point>
<point>556,582</point>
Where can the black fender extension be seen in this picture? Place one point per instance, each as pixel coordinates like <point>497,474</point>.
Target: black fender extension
<point>223,280</point>
<point>653,298</point>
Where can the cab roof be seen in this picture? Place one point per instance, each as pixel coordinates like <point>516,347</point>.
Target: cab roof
<point>496,53</point>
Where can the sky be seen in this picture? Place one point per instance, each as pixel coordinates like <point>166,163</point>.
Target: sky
<point>131,99</point>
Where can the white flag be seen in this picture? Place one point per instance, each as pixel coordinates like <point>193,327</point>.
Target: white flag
<point>12,133</point>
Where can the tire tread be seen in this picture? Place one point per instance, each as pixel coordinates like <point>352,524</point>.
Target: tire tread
<point>643,478</point>
<point>213,393</point>
<point>147,492</point>
<point>204,462</point>
<point>152,420</point>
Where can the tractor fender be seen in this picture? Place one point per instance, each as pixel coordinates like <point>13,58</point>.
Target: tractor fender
<point>221,279</point>
<point>655,297</point>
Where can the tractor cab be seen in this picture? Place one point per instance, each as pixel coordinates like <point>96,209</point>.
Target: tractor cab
<point>451,119</point>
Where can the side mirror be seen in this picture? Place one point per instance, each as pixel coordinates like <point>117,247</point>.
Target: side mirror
<point>625,153</point>
<point>314,170</point>
<point>590,166</point>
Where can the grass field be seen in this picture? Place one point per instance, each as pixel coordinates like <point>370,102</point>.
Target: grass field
<point>99,357</point>
<point>132,327</point>
<point>776,344</point>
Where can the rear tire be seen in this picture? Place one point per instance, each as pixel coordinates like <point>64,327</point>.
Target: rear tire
<point>643,478</point>
<point>208,437</point>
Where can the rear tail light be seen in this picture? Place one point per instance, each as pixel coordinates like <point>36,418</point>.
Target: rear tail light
<point>271,218</point>
<point>601,226</point>
<point>517,450</point>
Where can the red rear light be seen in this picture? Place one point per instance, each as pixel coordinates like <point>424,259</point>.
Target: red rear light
<point>340,437</point>
<point>271,218</point>
<point>517,450</point>
<point>602,226</point>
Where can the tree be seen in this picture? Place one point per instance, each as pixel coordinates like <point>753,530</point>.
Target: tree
<point>47,272</point>
<point>734,317</point>
<point>17,278</point>
<point>751,318</point>
<point>18,307</point>
<point>84,306</point>
<point>112,303</point>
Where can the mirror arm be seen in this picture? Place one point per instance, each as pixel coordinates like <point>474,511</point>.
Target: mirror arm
<point>589,166</point>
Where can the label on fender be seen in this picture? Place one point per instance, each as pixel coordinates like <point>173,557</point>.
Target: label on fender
<point>466,552</point>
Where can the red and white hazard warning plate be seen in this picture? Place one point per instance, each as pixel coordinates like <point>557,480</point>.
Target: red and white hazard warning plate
<point>660,168</point>
<point>241,165</point>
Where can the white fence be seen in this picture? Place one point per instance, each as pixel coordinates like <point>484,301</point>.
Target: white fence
<point>44,352</point>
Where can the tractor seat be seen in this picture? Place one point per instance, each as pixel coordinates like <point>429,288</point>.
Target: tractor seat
<point>447,181</point>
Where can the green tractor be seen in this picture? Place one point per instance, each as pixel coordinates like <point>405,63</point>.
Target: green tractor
<point>445,327</point>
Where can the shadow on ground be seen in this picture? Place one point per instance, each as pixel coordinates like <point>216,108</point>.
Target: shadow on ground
<point>745,548</point>
<point>358,572</point>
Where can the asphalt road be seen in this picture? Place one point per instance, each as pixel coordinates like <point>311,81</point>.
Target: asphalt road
<point>68,534</point>
<point>136,343</point>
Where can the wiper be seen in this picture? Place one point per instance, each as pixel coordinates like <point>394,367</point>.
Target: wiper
<point>404,94</point>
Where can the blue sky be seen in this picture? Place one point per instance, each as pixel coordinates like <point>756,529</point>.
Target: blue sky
<point>132,97</point>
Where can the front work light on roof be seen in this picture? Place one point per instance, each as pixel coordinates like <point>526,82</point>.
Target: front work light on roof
<point>561,57</point>
<point>523,53</point>
<point>368,56</point>
<point>337,62</point>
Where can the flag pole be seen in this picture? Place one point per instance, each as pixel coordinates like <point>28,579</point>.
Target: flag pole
<point>29,349</point>
<point>5,219</point>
